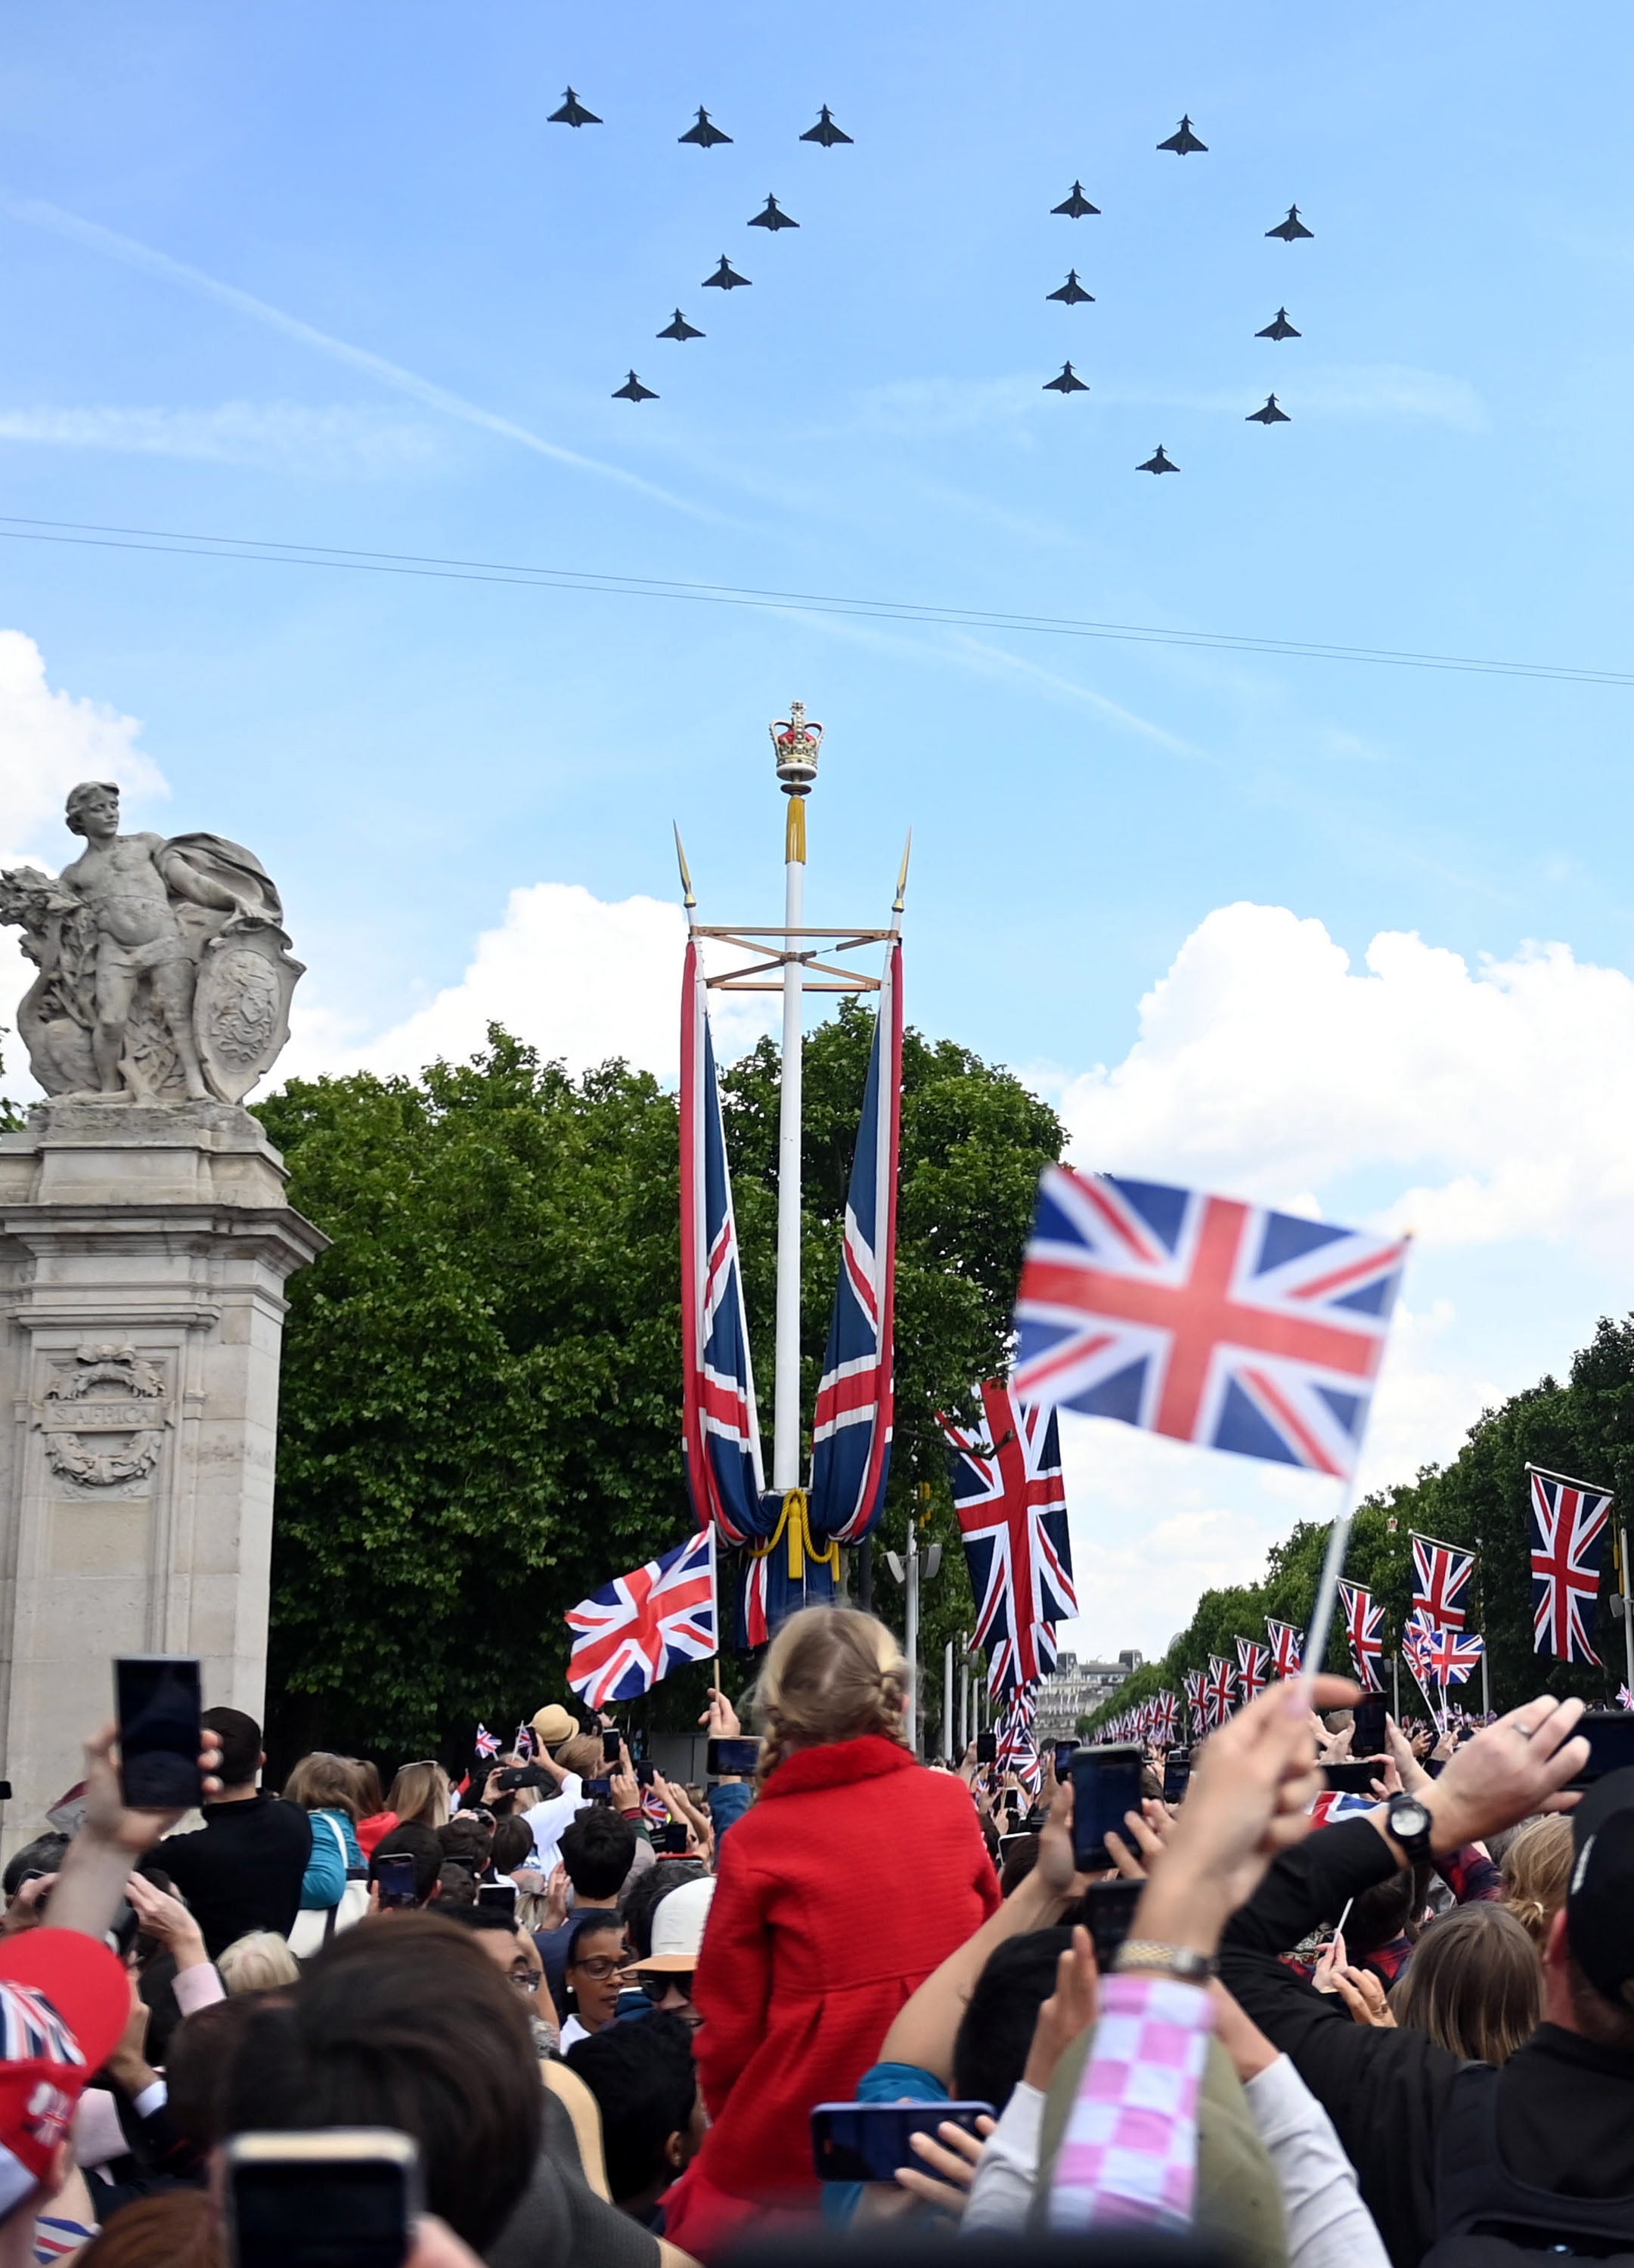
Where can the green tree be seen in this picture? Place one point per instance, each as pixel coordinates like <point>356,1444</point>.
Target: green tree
<point>1584,1428</point>
<point>481,1413</point>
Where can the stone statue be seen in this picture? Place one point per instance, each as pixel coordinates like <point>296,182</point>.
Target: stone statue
<point>164,972</point>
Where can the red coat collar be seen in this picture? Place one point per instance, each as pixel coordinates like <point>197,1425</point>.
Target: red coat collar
<point>836,1765</point>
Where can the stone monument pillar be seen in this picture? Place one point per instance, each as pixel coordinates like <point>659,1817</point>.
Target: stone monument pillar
<point>145,1245</point>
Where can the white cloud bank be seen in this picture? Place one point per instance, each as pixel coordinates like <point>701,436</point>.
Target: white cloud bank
<point>48,741</point>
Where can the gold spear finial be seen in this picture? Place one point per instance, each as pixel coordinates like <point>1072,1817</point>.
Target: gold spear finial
<point>901,879</point>
<point>687,900</point>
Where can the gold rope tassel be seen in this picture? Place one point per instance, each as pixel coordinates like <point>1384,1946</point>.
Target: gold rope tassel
<point>794,1527</point>
<point>794,833</point>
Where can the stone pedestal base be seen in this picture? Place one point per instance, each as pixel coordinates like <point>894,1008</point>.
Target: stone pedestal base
<point>144,1250</point>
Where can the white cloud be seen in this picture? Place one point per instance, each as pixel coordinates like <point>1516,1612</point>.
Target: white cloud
<point>575,976</point>
<point>1266,1063</point>
<point>48,741</point>
<point>281,435</point>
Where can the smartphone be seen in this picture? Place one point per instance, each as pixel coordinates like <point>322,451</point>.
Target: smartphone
<point>1367,1739</point>
<point>735,1758</point>
<point>987,1748</point>
<point>1176,1775</point>
<point>1064,1752</point>
<point>350,2193</point>
<point>515,1776</point>
<point>395,1872</point>
<point>159,1703</point>
<point>1009,1842</point>
<point>1353,1776</point>
<point>867,2141</point>
<point>611,1743</point>
<point>646,1770</point>
<point>1106,1785</point>
<point>598,1791</point>
<point>500,1895</point>
<point>673,1840</point>
<point>1109,1913</point>
<point>1610,1736</point>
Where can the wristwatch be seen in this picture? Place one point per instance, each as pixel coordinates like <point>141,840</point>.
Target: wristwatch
<point>1410,1825</point>
<point>1180,1962</point>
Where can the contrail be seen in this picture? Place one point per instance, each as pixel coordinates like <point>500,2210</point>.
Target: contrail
<point>39,214</point>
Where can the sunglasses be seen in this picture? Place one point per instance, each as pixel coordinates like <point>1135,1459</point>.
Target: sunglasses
<point>656,1987</point>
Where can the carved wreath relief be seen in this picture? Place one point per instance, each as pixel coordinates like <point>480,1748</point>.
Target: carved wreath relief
<point>104,1422</point>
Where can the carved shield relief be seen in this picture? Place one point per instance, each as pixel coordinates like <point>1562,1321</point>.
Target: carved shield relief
<point>241,1005</point>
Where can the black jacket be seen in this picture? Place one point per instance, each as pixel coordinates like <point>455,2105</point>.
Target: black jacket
<point>1566,2108</point>
<point>243,1869</point>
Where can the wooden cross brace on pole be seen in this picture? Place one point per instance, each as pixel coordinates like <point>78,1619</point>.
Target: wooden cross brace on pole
<point>748,978</point>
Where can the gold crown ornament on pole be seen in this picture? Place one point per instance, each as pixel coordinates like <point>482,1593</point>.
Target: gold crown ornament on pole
<point>798,741</point>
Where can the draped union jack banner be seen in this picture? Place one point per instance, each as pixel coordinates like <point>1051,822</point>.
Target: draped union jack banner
<point>1364,1626</point>
<point>1253,1667</point>
<point>1569,1524</point>
<point>1441,1574</point>
<point>1219,1690</point>
<point>1011,1499</point>
<point>637,1628</point>
<point>851,1431</point>
<point>1203,1318</point>
<point>1164,1720</point>
<point>721,1427</point>
<point>1017,1748</point>
<point>1287,1648</point>
<point>1193,1682</point>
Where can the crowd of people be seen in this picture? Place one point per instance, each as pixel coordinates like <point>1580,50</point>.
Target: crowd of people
<point>603,2006</point>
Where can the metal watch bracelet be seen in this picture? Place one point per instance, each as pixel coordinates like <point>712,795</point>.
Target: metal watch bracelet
<point>1176,1960</point>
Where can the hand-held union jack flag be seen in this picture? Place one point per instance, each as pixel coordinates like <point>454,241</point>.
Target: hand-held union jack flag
<point>1016,1749</point>
<point>851,1428</point>
<point>1011,1499</point>
<point>1204,1318</point>
<point>1287,1648</point>
<point>1568,1529</point>
<point>487,1744</point>
<point>1364,1626</point>
<point>1441,1657</point>
<point>637,1628</point>
<point>1253,1667</point>
<point>1441,1574</point>
<point>721,1427</point>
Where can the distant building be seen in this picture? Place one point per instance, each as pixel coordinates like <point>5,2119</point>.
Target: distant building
<point>1076,1688</point>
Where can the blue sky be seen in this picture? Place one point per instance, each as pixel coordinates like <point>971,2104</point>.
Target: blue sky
<point>325,277</point>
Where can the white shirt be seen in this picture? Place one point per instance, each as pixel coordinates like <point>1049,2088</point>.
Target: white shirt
<point>547,1821</point>
<point>571,2032</point>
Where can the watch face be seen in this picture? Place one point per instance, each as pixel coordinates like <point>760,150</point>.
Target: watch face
<point>1407,1817</point>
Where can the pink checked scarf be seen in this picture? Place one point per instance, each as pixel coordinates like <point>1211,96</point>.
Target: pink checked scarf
<point>1129,2152</point>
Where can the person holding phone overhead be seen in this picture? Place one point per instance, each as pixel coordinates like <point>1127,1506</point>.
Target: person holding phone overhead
<point>805,1961</point>
<point>244,1868</point>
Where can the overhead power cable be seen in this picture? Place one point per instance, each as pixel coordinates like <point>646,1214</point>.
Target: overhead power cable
<point>273,553</point>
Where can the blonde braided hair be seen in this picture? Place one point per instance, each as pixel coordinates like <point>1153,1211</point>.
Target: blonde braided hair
<point>1537,1869</point>
<point>831,1674</point>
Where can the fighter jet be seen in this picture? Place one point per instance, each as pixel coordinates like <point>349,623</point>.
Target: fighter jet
<point>573,112</point>
<point>1076,205</point>
<point>1280,328</point>
<point>1183,141</point>
<point>633,390</point>
<point>1072,291</point>
<point>1291,229</point>
<point>726,277</point>
<point>680,328</point>
<point>703,133</point>
<point>825,131</point>
<point>1269,416</point>
<point>1068,382</point>
<point>773,217</point>
<point>1160,463</point>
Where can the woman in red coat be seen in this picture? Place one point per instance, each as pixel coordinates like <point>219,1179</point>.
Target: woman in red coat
<point>855,1874</point>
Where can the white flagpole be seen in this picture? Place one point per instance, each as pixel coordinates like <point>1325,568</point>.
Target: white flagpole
<point>1327,1589</point>
<point>785,1452</point>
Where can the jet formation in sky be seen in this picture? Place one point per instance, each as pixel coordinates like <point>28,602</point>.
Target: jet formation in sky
<point>703,133</point>
<point>1183,143</point>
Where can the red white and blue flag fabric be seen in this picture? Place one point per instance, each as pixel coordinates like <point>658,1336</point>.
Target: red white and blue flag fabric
<point>1569,1524</point>
<point>525,1743</point>
<point>1204,1318</point>
<point>1287,1648</point>
<point>721,1427</point>
<point>1625,1697</point>
<point>1364,1626</point>
<point>487,1744</point>
<point>1442,1656</point>
<point>637,1628</point>
<point>851,1429</point>
<point>1011,1499</point>
<point>1219,1690</point>
<point>1441,1573</point>
<point>1193,1682</point>
<point>1165,1718</point>
<point>1016,1749</point>
<point>1253,1669</point>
